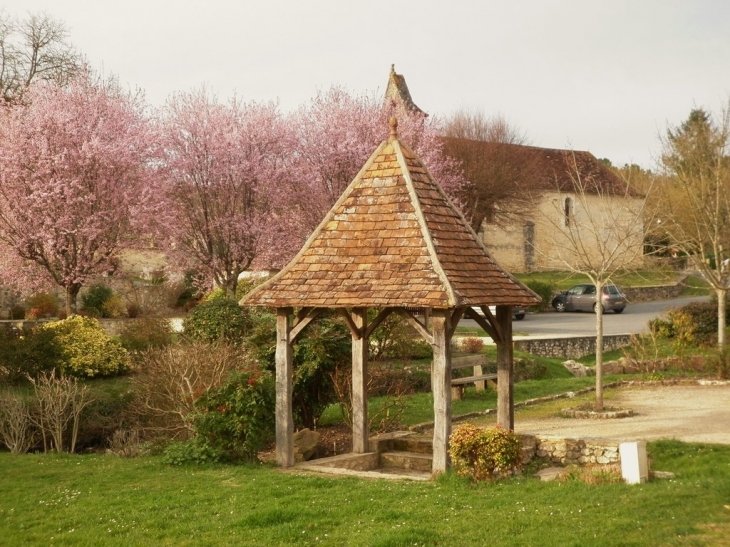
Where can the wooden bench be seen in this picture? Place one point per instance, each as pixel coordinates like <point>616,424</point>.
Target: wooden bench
<point>478,378</point>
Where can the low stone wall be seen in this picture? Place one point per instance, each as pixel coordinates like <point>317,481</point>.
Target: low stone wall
<point>574,347</point>
<point>559,450</point>
<point>655,292</point>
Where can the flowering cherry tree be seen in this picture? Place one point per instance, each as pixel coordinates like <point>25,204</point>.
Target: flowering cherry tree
<point>223,164</point>
<point>72,180</point>
<point>337,132</point>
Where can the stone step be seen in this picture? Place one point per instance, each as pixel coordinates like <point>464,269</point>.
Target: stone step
<point>396,459</point>
<point>413,444</point>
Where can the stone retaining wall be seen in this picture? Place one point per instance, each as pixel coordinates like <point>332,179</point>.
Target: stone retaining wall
<point>570,348</point>
<point>655,292</point>
<point>563,451</point>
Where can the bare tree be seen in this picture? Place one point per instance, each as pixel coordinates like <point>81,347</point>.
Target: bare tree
<point>697,200</point>
<point>33,49</point>
<point>496,163</point>
<point>597,228</point>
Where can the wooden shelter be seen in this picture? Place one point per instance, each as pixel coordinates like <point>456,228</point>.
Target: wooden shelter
<point>394,242</point>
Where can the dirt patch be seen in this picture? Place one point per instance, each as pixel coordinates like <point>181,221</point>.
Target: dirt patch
<point>686,413</point>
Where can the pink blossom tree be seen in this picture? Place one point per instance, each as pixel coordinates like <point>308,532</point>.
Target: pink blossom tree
<point>72,180</point>
<point>336,133</point>
<point>223,166</point>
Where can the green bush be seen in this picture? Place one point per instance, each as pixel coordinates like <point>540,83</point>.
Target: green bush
<point>46,304</point>
<point>87,351</point>
<point>395,339</point>
<point>236,419</point>
<point>322,348</point>
<point>544,291</point>
<point>691,325</point>
<point>145,333</point>
<point>484,454</point>
<point>30,350</point>
<point>95,298</point>
<point>194,450</point>
<point>217,319</point>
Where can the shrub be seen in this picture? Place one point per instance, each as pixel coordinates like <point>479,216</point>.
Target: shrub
<point>87,351</point>
<point>325,346</point>
<point>28,351</point>
<point>194,450</point>
<point>169,379</point>
<point>145,333</point>
<point>94,299</point>
<point>472,344</point>
<point>544,291</point>
<point>484,454</point>
<point>45,304</point>
<point>237,417</point>
<point>691,325</point>
<point>114,307</point>
<point>60,402</point>
<point>217,319</point>
<point>394,339</point>
<point>17,430</point>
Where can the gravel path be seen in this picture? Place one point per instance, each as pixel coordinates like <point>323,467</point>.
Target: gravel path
<point>686,413</point>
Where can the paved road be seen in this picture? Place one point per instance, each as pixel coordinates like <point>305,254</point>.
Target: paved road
<point>634,319</point>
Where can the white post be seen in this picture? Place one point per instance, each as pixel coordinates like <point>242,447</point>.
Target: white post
<point>634,463</point>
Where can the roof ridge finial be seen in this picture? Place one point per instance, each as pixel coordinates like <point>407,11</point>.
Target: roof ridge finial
<point>393,123</point>
<point>392,69</point>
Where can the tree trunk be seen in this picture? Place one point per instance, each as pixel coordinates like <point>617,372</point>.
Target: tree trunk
<point>599,347</point>
<point>72,293</point>
<point>721,323</point>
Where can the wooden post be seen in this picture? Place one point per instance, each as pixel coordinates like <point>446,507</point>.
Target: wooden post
<point>505,376</point>
<point>359,383</point>
<point>284,375</point>
<point>441,382</point>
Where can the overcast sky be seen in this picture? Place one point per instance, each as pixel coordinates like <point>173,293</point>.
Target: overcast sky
<point>583,74</point>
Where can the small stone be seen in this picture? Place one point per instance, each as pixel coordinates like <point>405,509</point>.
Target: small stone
<point>663,474</point>
<point>549,473</point>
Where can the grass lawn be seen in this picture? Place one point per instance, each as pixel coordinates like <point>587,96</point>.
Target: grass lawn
<point>103,500</point>
<point>630,278</point>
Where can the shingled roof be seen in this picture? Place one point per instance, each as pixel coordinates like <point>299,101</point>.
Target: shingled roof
<point>393,239</point>
<point>551,168</point>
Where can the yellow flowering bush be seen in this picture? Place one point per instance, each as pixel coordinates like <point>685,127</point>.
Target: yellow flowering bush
<point>87,351</point>
<point>484,454</point>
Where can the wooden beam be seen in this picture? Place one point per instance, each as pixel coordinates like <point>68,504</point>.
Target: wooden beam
<point>472,314</point>
<point>441,385</point>
<point>304,321</point>
<point>495,324</point>
<point>455,318</point>
<point>359,382</point>
<point>505,374</point>
<point>382,316</point>
<point>415,323</point>
<point>284,375</point>
<point>354,330</point>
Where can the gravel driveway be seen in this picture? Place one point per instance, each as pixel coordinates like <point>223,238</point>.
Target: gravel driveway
<point>689,413</point>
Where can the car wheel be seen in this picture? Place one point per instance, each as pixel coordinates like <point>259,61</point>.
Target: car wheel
<point>594,308</point>
<point>619,310</point>
<point>559,306</point>
<point>520,316</point>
